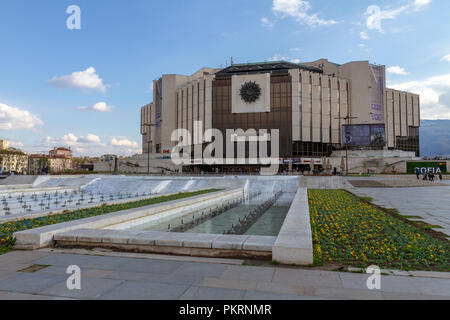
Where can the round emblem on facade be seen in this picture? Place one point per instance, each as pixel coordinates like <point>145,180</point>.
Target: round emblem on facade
<point>250,92</point>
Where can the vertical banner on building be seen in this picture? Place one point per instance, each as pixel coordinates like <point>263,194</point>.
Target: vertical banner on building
<point>377,93</point>
<point>158,109</point>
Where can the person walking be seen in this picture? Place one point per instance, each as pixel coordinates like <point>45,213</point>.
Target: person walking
<point>440,176</point>
<point>418,173</point>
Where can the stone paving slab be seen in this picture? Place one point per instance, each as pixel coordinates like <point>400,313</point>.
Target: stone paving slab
<point>388,283</point>
<point>64,260</point>
<point>85,272</point>
<point>189,280</point>
<point>18,256</point>
<point>92,288</point>
<point>307,277</point>
<point>270,296</point>
<point>200,269</point>
<point>349,294</point>
<point>30,282</point>
<point>152,266</point>
<point>411,296</point>
<point>286,288</point>
<point>13,267</point>
<point>228,284</point>
<point>90,262</point>
<point>134,290</point>
<point>248,273</point>
<point>205,293</point>
<point>440,287</point>
<point>7,295</point>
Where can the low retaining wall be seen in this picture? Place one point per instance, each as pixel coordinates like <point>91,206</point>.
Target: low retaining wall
<point>294,243</point>
<point>190,244</point>
<point>43,237</point>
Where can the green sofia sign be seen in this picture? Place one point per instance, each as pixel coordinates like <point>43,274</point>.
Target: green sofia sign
<point>435,167</point>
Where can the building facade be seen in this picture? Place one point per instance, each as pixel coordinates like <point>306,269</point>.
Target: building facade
<point>4,144</point>
<point>13,161</point>
<point>59,160</point>
<point>318,107</point>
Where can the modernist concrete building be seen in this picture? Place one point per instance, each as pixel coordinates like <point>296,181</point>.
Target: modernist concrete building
<point>319,107</point>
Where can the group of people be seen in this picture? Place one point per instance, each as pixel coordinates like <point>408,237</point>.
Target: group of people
<point>428,176</point>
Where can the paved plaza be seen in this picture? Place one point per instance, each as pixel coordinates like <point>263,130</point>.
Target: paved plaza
<point>106,275</point>
<point>430,203</point>
<point>132,276</point>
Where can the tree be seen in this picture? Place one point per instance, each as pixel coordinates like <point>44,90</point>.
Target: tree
<point>43,163</point>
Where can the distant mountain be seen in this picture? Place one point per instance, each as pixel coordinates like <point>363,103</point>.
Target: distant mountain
<point>435,138</point>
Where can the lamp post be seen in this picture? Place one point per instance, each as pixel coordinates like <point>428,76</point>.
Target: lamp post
<point>150,125</point>
<point>347,119</point>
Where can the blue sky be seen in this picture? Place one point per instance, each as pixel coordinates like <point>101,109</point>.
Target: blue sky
<point>84,88</point>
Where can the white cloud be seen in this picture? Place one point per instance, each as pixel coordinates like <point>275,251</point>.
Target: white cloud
<point>446,58</point>
<point>397,71</point>
<point>375,15</point>
<point>100,107</point>
<point>13,118</point>
<point>85,80</point>
<point>279,57</point>
<point>15,144</point>
<point>434,95</point>
<point>365,48</point>
<point>124,143</point>
<point>364,35</point>
<point>90,138</point>
<point>298,9</point>
<point>420,3</point>
<point>267,23</point>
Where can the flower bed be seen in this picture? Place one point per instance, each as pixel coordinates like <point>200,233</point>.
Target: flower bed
<point>8,229</point>
<point>349,231</point>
